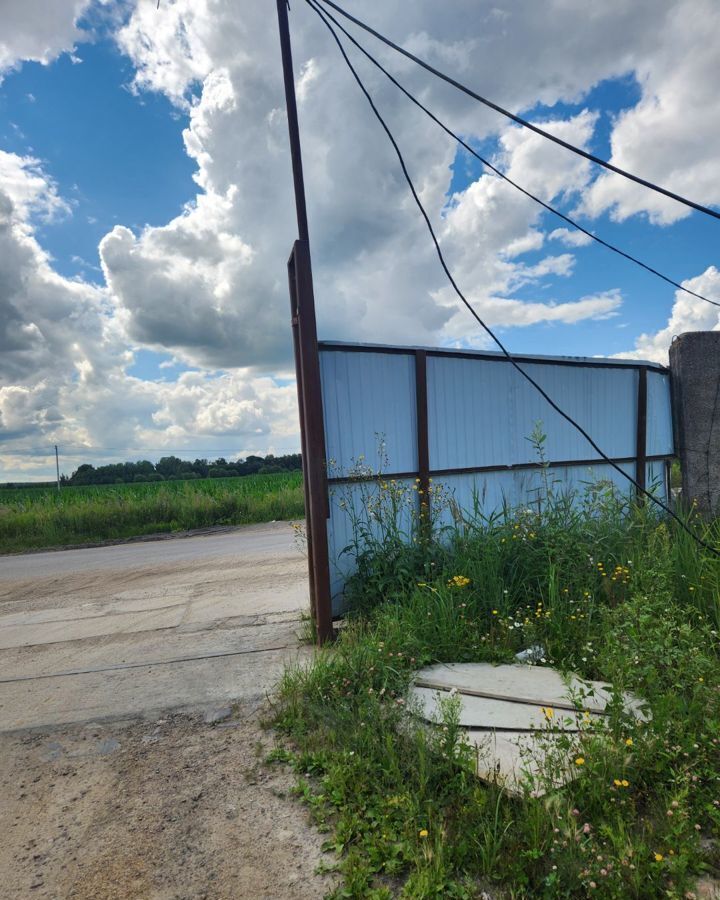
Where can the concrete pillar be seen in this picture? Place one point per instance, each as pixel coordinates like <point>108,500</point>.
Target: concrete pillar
<point>695,374</point>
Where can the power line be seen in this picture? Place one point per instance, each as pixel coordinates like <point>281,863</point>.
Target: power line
<point>486,328</point>
<point>510,181</point>
<point>524,122</point>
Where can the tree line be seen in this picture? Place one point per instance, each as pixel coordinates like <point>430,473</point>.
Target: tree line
<point>171,468</point>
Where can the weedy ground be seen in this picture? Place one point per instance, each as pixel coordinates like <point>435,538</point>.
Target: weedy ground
<point>34,518</point>
<point>611,592</point>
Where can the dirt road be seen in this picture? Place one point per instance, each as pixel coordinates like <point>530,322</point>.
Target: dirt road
<point>132,682</point>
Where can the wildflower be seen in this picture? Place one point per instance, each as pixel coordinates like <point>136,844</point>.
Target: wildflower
<point>617,782</point>
<point>625,783</point>
<point>587,828</point>
<point>548,712</point>
<point>628,742</point>
<point>580,761</point>
<point>423,832</point>
<point>659,857</point>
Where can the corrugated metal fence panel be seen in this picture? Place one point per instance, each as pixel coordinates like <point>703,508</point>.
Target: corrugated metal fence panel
<point>348,505</point>
<point>489,493</point>
<point>659,422</point>
<point>482,412</point>
<point>369,397</point>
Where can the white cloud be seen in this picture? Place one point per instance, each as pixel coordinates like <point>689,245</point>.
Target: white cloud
<point>570,238</point>
<point>64,358</point>
<point>38,30</point>
<point>688,314</point>
<point>670,136</point>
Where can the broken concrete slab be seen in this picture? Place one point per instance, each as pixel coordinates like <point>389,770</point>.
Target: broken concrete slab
<point>490,713</point>
<point>525,722</point>
<point>536,685</point>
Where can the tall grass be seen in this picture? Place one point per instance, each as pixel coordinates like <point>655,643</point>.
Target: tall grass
<point>609,590</point>
<point>34,518</point>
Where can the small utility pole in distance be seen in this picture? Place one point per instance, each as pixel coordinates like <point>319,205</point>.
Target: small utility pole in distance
<point>57,467</point>
<point>307,366</point>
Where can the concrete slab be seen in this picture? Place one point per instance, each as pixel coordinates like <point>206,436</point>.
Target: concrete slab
<point>537,685</point>
<point>490,713</point>
<point>521,762</point>
<point>132,629</point>
<point>525,722</point>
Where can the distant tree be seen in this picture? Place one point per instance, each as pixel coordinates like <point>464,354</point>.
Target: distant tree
<point>168,465</point>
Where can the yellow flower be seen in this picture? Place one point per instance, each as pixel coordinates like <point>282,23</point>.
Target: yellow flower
<point>580,761</point>
<point>423,832</point>
<point>495,612</point>
<point>617,782</point>
<point>548,712</point>
<point>659,857</point>
<point>625,782</point>
<point>629,742</point>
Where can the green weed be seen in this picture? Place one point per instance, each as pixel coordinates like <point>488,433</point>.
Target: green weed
<point>610,591</point>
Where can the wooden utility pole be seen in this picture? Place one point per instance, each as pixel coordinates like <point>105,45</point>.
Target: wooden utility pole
<point>307,365</point>
<point>57,467</point>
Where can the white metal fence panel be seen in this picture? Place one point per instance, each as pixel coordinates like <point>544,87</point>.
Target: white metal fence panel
<point>465,420</point>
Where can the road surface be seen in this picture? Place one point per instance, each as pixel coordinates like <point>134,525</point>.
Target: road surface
<point>134,628</point>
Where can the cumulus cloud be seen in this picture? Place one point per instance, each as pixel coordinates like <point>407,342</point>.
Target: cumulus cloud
<point>688,314</point>
<point>369,245</point>
<point>670,136</point>
<point>38,30</point>
<point>64,360</point>
<point>570,238</point>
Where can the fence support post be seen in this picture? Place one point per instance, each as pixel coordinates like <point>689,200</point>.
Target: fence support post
<point>695,376</point>
<point>641,437</point>
<point>307,364</point>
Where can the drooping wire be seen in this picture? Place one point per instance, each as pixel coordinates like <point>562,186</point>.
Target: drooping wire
<point>639,488</point>
<point>520,121</point>
<point>509,180</point>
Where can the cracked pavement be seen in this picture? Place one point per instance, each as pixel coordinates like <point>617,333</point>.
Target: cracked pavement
<point>132,629</point>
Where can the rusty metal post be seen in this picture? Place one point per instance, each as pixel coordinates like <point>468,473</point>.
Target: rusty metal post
<point>307,366</point>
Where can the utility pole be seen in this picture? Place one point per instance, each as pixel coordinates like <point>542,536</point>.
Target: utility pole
<point>57,467</point>
<point>307,365</point>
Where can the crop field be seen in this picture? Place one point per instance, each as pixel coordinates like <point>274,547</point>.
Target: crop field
<point>32,518</point>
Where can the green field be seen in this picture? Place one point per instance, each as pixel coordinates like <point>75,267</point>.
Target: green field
<point>31,518</point>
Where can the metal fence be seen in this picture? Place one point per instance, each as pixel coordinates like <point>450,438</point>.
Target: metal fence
<point>464,420</point>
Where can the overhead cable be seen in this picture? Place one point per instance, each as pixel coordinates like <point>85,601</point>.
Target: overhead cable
<point>470,149</point>
<point>520,121</point>
<point>639,488</point>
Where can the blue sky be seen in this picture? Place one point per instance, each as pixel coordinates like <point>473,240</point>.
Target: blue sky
<point>186,345</point>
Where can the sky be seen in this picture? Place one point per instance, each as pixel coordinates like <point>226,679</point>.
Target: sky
<point>146,206</point>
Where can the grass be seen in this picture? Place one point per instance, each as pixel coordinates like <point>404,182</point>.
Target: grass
<point>611,592</point>
<point>32,518</point>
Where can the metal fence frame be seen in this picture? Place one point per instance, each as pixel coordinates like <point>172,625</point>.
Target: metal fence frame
<point>313,436</point>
